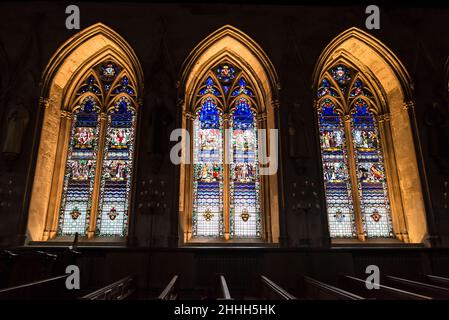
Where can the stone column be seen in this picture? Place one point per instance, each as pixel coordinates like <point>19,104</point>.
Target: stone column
<point>392,178</point>
<point>57,187</point>
<point>353,176</point>
<point>265,206</point>
<point>409,106</point>
<point>98,171</point>
<point>187,207</point>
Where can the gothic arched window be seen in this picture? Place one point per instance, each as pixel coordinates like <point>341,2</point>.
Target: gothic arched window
<point>97,179</point>
<point>229,187</point>
<point>226,182</point>
<point>356,189</point>
<point>84,162</point>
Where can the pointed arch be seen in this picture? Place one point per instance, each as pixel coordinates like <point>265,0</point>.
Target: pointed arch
<point>85,49</point>
<point>392,87</point>
<point>230,46</point>
<point>230,43</point>
<point>67,69</point>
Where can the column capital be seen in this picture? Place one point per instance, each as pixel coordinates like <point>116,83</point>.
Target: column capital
<point>261,116</point>
<point>409,105</point>
<point>140,102</point>
<point>179,102</point>
<point>189,115</point>
<point>44,102</point>
<point>384,117</point>
<point>65,114</point>
<point>275,103</point>
<point>103,116</point>
<point>226,117</point>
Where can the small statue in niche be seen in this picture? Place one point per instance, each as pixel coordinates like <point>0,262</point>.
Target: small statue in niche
<point>16,123</point>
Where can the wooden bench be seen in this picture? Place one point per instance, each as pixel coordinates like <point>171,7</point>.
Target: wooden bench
<point>438,280</point>
<point>51,288</point>
<point>358,286</point>
<point>119,290</point>
<point>7,259</point>
<point>272,291</point>
<point>171,291</point>
<point>430,290</point>
<point>223,292</point>
<point>317,290</point>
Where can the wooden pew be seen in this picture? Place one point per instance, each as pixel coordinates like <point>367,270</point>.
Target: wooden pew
<point>171,291</point>
<point>430,290</point>
<point>223,290</point>
<point>7,260</point>
<point>438,280</point>
<point>52,288</point>
<point>119,290</point>
<point>271,291</point>
<point>317,290</point>
<point>358,286</point>
<point>27,266</point>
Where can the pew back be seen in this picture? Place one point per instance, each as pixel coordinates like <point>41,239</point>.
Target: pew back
<point>317,290</point>
<point>358,286</point>
<point>50,288</point>
<point>272,291</point>
<point>119,290</point>
<point>171,291</point>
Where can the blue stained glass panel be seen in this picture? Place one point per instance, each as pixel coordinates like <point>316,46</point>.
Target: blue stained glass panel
<point>341,74</point>
<point>226,73</point>
<point>372,186</point>
<point>244,173</point>
<point>209,114</point>
<point>79,175</point>
<point>116,179</point>
<point>207,211</point>
<point>210,87</point>
<point>242,89</point>
<point>243,115</point>
<point>339,200</point>
<point>124,87</point>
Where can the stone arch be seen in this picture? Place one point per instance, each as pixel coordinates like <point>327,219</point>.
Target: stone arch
<point>394,89</point>
<point>229,43</point>
<point>64,70</point>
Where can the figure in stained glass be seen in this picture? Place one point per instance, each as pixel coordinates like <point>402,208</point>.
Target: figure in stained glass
<point>208,153</point>
<point>120,138</point>
<point>111,209</point>
<point>370,186</point>
<point>84,138</point>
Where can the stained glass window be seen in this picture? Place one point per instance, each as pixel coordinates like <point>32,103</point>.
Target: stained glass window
<point>343,95</point>
<point>244,182</point>
<point>372,188</point>
<point>80,169</point>
<point>208,171</point>
<point>336,174</point>
<point>226,102</point>
<point>104,151</point>
<point>117,169</point>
